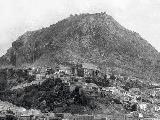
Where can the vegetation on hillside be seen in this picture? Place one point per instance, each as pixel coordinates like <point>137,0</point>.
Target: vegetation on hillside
<point>95,38</point>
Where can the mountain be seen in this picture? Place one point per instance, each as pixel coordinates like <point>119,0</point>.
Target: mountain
<point>86,38</point>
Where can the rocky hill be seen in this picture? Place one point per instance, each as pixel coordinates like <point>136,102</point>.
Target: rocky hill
<point>92,38</point>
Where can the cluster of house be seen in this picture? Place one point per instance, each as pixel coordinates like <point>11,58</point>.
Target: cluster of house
<point>68,116</point>
<point>80,70</point>
<point>133,97</point>
<point>84,70</point>
<point>39,73</point>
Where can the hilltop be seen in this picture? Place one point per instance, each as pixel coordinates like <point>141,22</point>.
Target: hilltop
<point>92,38</point>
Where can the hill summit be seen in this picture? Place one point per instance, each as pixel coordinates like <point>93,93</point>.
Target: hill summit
<point>86,38</point>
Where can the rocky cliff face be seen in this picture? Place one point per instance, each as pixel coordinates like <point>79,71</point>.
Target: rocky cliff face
<point>94,38</point>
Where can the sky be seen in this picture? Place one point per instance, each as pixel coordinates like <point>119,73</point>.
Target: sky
<point>19,16</point>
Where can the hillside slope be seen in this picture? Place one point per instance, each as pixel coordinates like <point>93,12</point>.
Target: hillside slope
<point>94,38</point>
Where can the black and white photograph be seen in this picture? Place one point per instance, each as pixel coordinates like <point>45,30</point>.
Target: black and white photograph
<point>79,59</point>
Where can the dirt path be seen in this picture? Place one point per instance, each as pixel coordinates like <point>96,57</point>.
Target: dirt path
<point>21,86</point>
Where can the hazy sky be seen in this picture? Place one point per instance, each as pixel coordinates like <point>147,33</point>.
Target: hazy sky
<point>19,16</point>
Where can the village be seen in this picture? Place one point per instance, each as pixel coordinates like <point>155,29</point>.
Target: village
<point>141,103</point>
